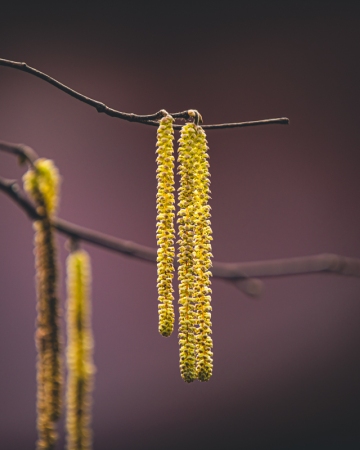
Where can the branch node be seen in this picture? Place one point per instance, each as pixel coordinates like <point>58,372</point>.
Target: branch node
<point>72,244</point>
<point>253,287</point>
<point>101,107</point>
<point>163,113</point>
<point>196,116</point>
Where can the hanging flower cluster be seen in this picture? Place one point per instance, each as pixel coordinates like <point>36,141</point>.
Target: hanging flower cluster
<point>186,255</point>
<point>194,254</point>
<point>202,258</point>
<point>165,224</point>
<point>79,352</point>
<point>42,183</point>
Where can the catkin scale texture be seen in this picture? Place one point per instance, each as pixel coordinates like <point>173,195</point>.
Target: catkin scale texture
<point>42,184</point>
<point>79,352</point>
<point>202,258</point>
<point>49,377</point>
<point>186,272</point>
<point>194,256</point>
<point>165,233</point>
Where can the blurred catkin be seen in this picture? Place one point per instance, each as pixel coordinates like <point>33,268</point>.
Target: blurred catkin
<point>79,352</point>
<point>42,183</point>
<point>165,224</point>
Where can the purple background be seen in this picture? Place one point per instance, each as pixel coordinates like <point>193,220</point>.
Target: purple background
<point>287,366</point>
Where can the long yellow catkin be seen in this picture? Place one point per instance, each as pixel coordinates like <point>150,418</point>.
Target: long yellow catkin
<point>42,184</point>
<point>202,257</point>
<point>194,256</point>
<point>165,224</point>
<point>79,352</point>
<point>186,270</point>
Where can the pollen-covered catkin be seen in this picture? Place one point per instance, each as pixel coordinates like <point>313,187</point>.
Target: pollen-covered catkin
<point>42,184</point>
<point>202,257</point>
<point>194,256</point>
<point>79,352</point>
<point>43,181</point>
<point>165,224</point>
<point>186,270</point>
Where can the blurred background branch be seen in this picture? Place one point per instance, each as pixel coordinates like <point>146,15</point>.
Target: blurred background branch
<point>243,275</point>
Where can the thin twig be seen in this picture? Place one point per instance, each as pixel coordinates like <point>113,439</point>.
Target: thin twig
<point>24,152</point>
<point>253,123</point>
<point>11,188</point>
<point>150,119</point>
<point>245,276</point>
<point>322,263</point>
<point>279,121</point>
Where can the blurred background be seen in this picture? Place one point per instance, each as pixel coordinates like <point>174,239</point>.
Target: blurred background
<point>286,366</point>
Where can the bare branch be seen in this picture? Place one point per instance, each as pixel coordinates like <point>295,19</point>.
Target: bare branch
<point>10,187</point>
<point>323,263</point>
<point>150,119</point>
<point>24,152</point>
<point>253,123</point>
<point>245,276</point>
<point>279,121</point>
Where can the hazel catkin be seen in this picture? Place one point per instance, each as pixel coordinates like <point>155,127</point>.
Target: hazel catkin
<point>194,252</point>
<point>79,352</point>
<point>165,224</point>
<point>42,183</point>
<point>202,258</point>
<point>194,256</point>
<point>186,270</point>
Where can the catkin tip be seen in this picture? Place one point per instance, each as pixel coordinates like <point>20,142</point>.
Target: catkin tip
<point>44,178</point>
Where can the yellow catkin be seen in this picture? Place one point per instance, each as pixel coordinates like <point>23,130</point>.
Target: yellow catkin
<point>79,352</point>
<point>165,224</point>
<point>44,180</point>
<point>194,256</point>
<point>202,257</point>
<point>186,272</point>
<point>42,184</point>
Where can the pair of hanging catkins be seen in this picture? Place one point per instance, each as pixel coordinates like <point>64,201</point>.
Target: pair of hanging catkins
<point>42,183</point>
<point>194,253</point>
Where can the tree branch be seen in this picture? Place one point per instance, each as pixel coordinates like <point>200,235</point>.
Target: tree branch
<point>24,152</point>
<point>12,189</point>
<point>150,119</point>
<point>322,263</point>
<point>242,275</point>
